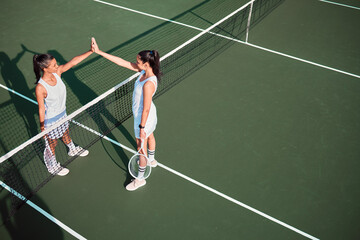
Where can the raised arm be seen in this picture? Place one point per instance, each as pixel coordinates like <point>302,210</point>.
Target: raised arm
<point>117,60</point>
<point>76,60</point>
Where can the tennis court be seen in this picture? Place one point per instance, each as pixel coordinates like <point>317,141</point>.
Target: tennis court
<point>265,132</point>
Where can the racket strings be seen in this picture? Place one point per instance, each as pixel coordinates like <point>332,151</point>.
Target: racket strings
<point>137,171</point>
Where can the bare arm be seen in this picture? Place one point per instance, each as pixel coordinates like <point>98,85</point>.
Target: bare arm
<point>148,91</point>
<point>41,93</point>
<point>76,60</point>
<point>117,60</point>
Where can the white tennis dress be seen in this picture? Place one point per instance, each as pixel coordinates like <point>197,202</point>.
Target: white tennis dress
<point>137,107</point>
<point>55,106</point>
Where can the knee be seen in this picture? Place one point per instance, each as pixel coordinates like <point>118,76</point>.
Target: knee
<point>151,137</point>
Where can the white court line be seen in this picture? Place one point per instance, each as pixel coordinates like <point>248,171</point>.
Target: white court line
<point>112,90</point>
<point>149,15</point>
<point>37,208</point>
<point>19,94</point>
<point>302,60</point>
<point>206,187</point>
<point>340,4</point>
<point>40,210</point>
<point>233,39</point>
<point>195,182</point>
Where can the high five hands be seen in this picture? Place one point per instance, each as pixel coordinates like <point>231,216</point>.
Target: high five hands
<point>94,46</point>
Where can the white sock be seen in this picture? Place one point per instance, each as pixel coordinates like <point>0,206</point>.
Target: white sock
<point>141,172</point>
<point>151,155</point>
<point>71,146</point>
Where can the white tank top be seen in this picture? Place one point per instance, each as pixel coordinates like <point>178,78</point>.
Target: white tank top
<point>55,101</point>
<point>137,99</point>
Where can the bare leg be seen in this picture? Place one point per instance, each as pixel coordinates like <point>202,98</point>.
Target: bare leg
<point>151,142</point>
<point>52,144</point>
<point>136,183</point>
<point>143,151</point>
<point>151,150</point>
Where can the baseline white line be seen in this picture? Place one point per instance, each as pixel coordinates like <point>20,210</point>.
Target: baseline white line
<point>148,14</point>
<point>340,4</point>
<point>40,210</point>
<point>198,183</point>
<point>233,39</point>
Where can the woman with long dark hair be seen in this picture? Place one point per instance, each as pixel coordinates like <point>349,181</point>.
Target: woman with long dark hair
<point>51,97</point>
<point>144,110</point>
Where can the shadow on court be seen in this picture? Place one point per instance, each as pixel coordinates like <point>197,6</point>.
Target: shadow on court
<point>94,77</point>
<point>14,130</point>
<point>30,224</point>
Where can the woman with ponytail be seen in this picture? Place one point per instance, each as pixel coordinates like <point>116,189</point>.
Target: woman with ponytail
<point>144,110</point>
<point>51,97</point>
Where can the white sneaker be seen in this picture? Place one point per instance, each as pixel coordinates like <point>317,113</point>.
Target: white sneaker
<point>62,172</point>
<point>135,184</point>
<point>153,163</point>
<point>78,151</point>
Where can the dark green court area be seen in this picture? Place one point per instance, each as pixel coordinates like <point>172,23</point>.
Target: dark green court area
<point>279,134</point>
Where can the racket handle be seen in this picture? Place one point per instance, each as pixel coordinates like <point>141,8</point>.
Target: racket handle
<point>142,146</point>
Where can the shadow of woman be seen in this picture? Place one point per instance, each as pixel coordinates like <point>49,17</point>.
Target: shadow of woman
<point>14,79</point>
<point>84,94</point>
<point>24,224</point>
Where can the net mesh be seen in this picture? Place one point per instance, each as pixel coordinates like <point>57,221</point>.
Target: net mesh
<point>26,172</point>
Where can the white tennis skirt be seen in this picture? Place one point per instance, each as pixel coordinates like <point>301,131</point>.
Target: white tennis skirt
<point>150,125</point>
<point>59,131</point>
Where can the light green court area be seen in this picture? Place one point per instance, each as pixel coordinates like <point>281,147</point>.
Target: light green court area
<point>274,133</point>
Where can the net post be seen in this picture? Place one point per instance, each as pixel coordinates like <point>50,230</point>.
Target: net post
<point>249,19</point>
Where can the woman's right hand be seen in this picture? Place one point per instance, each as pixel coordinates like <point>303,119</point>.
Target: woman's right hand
<point>94,46</point>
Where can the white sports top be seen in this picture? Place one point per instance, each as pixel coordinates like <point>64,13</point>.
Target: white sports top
<point>55,101</point>
<point>137,99</point>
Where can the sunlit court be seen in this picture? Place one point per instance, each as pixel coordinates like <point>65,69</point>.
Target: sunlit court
<point>257,121</point>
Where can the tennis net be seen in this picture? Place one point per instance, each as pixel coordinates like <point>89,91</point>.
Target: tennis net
<point>31,165</point>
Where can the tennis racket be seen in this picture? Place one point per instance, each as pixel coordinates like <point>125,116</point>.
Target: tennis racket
<point>49,158</point>
<point>134,164</point>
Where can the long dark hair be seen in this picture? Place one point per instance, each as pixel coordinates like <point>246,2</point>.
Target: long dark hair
<point>153,58</point>
<point>40,62</point>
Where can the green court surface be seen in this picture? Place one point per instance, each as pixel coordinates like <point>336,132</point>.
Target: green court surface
<point>277,135</point>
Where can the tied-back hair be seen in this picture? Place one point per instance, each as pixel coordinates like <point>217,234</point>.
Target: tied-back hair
<point>153,58</point>
<point>40,62</point>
